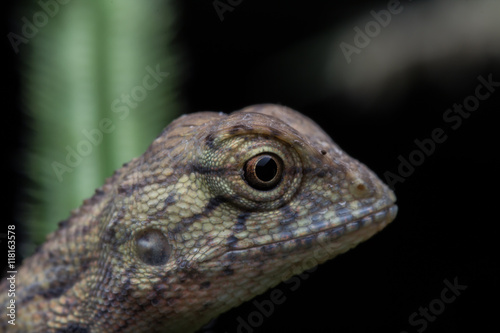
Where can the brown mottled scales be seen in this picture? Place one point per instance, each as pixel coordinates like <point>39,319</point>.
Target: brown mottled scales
<point>217,210</point>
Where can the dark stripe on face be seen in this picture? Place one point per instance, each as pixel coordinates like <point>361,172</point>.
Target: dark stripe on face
<point>214,203</point>
<point>241,221</point>
<point>288,215</point>
<point>231,241</point>
<point>211,205</point>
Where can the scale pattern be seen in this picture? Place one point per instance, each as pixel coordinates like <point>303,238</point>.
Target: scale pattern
<point>186,231</point>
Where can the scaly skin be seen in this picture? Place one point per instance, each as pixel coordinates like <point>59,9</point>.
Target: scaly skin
<point>190,229</point>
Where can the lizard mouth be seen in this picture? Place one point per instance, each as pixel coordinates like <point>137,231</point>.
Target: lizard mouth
<point>342,235</point>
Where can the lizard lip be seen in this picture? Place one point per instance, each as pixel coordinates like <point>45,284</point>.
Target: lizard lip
<point>362,228</point>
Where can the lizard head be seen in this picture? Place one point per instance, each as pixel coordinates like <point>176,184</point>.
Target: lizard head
<point>222,207</point>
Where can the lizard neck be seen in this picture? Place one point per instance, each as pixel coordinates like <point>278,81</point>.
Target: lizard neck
<point>69,257</point>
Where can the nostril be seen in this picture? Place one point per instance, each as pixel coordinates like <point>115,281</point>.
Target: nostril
<point>359,189</point>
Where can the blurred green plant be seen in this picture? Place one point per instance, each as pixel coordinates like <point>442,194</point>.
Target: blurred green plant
<point>99,84</point>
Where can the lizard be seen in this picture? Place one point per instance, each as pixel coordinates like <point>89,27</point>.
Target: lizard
<point>220,208</point>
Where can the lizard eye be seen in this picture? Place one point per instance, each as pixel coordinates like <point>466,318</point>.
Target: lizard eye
<point>152,247</point>
<point>263,172</point>
<point>255,172</point>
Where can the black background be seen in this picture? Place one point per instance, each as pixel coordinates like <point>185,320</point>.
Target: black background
<point>448,207</point>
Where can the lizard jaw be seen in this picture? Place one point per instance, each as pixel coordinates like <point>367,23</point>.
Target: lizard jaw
<point>340,237</point>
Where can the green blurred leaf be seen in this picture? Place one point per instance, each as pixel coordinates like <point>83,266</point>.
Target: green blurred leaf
<point>95,97</point>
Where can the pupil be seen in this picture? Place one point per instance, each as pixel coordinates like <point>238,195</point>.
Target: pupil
<point>266,169</point>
